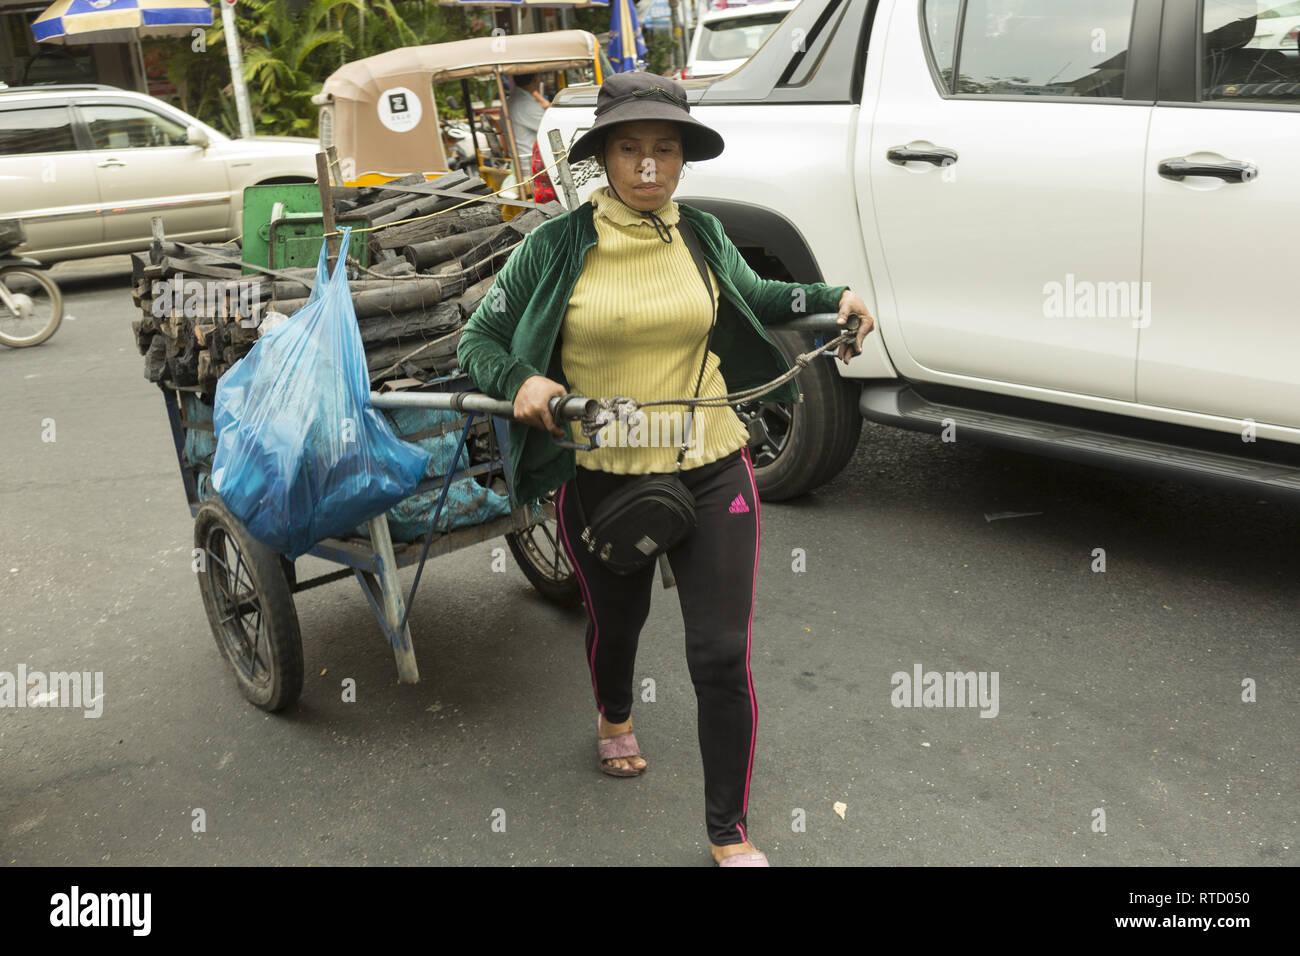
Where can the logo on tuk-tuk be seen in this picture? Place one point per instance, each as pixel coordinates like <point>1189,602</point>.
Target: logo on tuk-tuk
<point>399,109</point>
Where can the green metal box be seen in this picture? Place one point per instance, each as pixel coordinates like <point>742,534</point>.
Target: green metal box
<point>282,227</point>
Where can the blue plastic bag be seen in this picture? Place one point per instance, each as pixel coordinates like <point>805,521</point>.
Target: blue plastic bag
<point>301,453</point>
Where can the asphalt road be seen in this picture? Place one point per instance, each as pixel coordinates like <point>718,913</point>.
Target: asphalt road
<point>1118,691</point>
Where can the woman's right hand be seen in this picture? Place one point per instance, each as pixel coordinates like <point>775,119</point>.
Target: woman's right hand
<point>531,403</point>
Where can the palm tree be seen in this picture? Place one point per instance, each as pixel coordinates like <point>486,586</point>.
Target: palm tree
<point>282,59</point>
<point>290,47</point>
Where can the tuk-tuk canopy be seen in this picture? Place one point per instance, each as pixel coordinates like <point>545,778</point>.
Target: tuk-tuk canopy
<point>380,113</point>
<point>477,56</point>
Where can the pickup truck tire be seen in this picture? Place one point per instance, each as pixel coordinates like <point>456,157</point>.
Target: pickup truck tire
<point>810,443</point>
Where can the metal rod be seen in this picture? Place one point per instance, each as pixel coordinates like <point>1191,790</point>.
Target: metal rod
<point>473,130</point>
<point>562,169</point>
<point>447,401</point>
<point>508,128</point>
<point>236,69</point>
<point>573,407</point>
<point>139,57</point>
<point>403,651</point>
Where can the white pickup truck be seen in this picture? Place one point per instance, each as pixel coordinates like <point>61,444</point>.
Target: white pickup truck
<point>1070,218</point>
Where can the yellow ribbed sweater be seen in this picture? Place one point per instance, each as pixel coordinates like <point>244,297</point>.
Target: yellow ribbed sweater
<point>636,325</point>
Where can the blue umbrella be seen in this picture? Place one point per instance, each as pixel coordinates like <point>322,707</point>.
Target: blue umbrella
<point>625,43</point>
<point>119,21</point>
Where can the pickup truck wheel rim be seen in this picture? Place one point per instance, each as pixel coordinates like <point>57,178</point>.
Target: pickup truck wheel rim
<point>769,425</point>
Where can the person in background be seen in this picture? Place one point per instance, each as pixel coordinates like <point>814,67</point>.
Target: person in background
<point>526,105</point>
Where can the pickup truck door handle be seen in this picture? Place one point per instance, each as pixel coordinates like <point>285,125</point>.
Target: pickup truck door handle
<point>1230,172</point>
<point>938,156</point>
<point>110,162</point>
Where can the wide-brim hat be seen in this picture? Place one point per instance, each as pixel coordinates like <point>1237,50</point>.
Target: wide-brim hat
<point>627,97</point>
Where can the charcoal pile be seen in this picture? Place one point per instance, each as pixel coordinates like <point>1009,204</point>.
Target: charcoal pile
<point>431,264</point>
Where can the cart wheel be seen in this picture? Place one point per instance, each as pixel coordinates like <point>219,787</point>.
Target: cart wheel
<point>250,608</point>
<point>540,556</point>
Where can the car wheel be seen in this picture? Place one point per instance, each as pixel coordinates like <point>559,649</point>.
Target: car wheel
<point>798,447</point>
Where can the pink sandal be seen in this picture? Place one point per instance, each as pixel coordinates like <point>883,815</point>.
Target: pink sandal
<point>620,745</point>
<point>755,858</point>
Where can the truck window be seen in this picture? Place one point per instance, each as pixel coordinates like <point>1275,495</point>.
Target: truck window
<point>1250,52</point>
<point>738,37</point>
<point>941,35</point>
<point>1044,47</point>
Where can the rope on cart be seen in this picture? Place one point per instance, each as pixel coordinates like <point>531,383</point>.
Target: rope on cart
<point>460,272</point>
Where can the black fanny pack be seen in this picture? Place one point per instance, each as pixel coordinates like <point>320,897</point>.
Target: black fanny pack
<point>651,513</point>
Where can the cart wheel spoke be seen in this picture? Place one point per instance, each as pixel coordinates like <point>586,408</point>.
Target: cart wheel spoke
<point>239,564</point>
<point>243,584</point>
<point>540,555</point>
<point>238,604</point>
<point>250,608</point>
<point>554,544</point>
<point>257,642</point>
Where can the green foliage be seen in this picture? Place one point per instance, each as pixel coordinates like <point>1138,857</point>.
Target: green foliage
<point>188,64</point>
<point>288,49</point>
<point>282,59</point>
<point>660,51</point>
<point>592,19</point>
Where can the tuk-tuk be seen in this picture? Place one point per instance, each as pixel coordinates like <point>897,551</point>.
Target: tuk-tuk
<point>381,114</point>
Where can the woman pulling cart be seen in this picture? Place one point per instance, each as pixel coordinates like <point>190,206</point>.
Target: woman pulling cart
<point>606,300</point>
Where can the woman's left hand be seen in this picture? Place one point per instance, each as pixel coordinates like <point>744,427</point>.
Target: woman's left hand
<point>851,303</point>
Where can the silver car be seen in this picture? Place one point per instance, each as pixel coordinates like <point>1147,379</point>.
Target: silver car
<point>86,167</point>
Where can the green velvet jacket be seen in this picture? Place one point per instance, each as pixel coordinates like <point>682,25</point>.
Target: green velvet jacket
<point>513,333</point>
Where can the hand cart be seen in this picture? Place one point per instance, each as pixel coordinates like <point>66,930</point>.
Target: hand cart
<point>248,589</point>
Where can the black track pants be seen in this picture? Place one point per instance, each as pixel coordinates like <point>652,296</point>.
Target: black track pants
<point>716,569</point>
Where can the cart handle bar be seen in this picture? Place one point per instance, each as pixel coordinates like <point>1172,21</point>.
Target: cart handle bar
<point>568,407</point>
<point>563,408</point>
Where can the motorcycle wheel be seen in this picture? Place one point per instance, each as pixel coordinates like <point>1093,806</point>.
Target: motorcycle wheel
<point>31,307</point>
